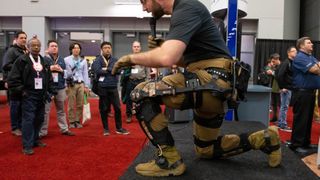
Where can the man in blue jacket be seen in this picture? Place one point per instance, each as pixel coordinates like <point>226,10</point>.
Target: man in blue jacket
<point>107,88</point>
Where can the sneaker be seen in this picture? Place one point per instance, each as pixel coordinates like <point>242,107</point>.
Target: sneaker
<point>106,133</point>
<point>122,131</point>
<point>72,125</point>
<point>110,115</point>
<point>68,133</point>
<point>78,125</point>
<point>286,129</point>
<point>39,144</point>
<point>16,132</point>
<point>129,119</point>
<point>27,151</point>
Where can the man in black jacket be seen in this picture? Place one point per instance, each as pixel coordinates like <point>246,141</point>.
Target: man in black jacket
<point>30,78</point>
<point>18,49</point>
<point>283,75</point>
<point>107,88</point>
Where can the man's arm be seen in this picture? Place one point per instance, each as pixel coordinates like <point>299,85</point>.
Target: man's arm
<point>315,69</point>
<point>168,54</point>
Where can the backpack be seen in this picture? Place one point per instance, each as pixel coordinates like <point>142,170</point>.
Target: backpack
<point>263,79</point>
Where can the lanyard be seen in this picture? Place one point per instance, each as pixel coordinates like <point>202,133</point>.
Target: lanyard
<point>36,65</point>
<point>106,61</point>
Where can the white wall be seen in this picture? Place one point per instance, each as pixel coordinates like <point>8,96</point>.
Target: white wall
<point>270,15</point>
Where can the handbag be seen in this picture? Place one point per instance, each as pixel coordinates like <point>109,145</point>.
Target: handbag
<point>86,113</point>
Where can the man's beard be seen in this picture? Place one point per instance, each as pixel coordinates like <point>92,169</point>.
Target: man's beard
<point>157,10</point>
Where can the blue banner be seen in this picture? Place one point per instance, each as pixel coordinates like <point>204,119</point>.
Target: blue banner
<point>232,27</point>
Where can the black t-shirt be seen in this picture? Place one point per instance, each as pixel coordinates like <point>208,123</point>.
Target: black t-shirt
<point>192,23</point>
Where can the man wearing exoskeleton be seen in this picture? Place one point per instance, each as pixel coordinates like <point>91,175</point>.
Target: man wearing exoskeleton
<point>194,42</point>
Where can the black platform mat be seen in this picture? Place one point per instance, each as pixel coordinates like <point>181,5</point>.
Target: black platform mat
<point>250,165</point>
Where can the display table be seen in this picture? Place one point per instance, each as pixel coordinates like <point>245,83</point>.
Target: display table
<point>256,108</point>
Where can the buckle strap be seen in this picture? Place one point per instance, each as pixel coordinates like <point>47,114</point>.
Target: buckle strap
<point>163,163</point>
<point>221,73</point>
<point>268,148</point>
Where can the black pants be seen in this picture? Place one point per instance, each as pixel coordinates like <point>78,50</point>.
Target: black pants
<point>303,104</point>
<point>32,118</point>
<point>275,101</point>
<point>109,97</point>
<point>131,84</point>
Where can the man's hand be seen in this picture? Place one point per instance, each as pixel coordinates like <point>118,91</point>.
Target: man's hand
<point>124,61</point>
<point>154,42</point>
<point>86,90</point>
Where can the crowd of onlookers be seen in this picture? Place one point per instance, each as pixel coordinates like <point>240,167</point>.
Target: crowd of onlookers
<point>35,81</point>
<point>295,81</point>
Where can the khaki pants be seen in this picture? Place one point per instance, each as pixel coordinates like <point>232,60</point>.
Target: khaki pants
<point>75,102</point>
<point>210,108</point>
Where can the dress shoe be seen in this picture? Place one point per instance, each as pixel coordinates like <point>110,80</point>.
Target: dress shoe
<point>312,146</point>
<point>39,144</point>
<point>27,151</point>
<point>68,133</point>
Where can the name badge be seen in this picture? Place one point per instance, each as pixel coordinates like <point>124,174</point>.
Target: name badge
<point>101,78</point>
<point>55,77</point>
<point>37,83</point>
<point>134,71</point>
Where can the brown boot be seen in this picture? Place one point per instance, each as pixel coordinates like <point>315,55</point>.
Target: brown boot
<point>261,139</point>
<point>169,160</point>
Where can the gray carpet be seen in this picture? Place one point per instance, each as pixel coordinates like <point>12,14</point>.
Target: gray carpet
<point>250,165</point>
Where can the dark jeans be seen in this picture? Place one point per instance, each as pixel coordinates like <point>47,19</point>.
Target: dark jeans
<point>32,119</point>
<point>130,86</point>
<point>15,114</point>
<point>303,105</point>
<point>109,97</point>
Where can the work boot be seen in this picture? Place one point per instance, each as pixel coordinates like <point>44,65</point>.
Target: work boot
<point>168,163</point>
<point>269,142</point>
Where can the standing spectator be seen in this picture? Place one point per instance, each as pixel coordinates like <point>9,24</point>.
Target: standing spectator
<point>306,71</point>
<point>107,88</point>
<point>57,67</point>
<point>137,75</point>
<point>285,88</point>
<point>275,92</point>
<point>78,84</point>
<point>30,78</point>
<point>18,49</point>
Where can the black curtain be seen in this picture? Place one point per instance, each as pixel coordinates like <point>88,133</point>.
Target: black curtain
<point>266,47</point>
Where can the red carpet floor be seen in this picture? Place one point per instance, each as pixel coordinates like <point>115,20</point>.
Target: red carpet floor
<point>88,155</point>
<point>287,135</point>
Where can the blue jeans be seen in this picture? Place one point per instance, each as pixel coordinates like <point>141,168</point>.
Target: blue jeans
<point>32,119</point>
<point>285,97</point>
<point>15,114</point>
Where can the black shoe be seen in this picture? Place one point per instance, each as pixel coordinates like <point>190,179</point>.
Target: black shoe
<point>68,133</point>
<point>39,144</point>
<point>312,146</point>
<point>122,131</point>
<point>27,151</point>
